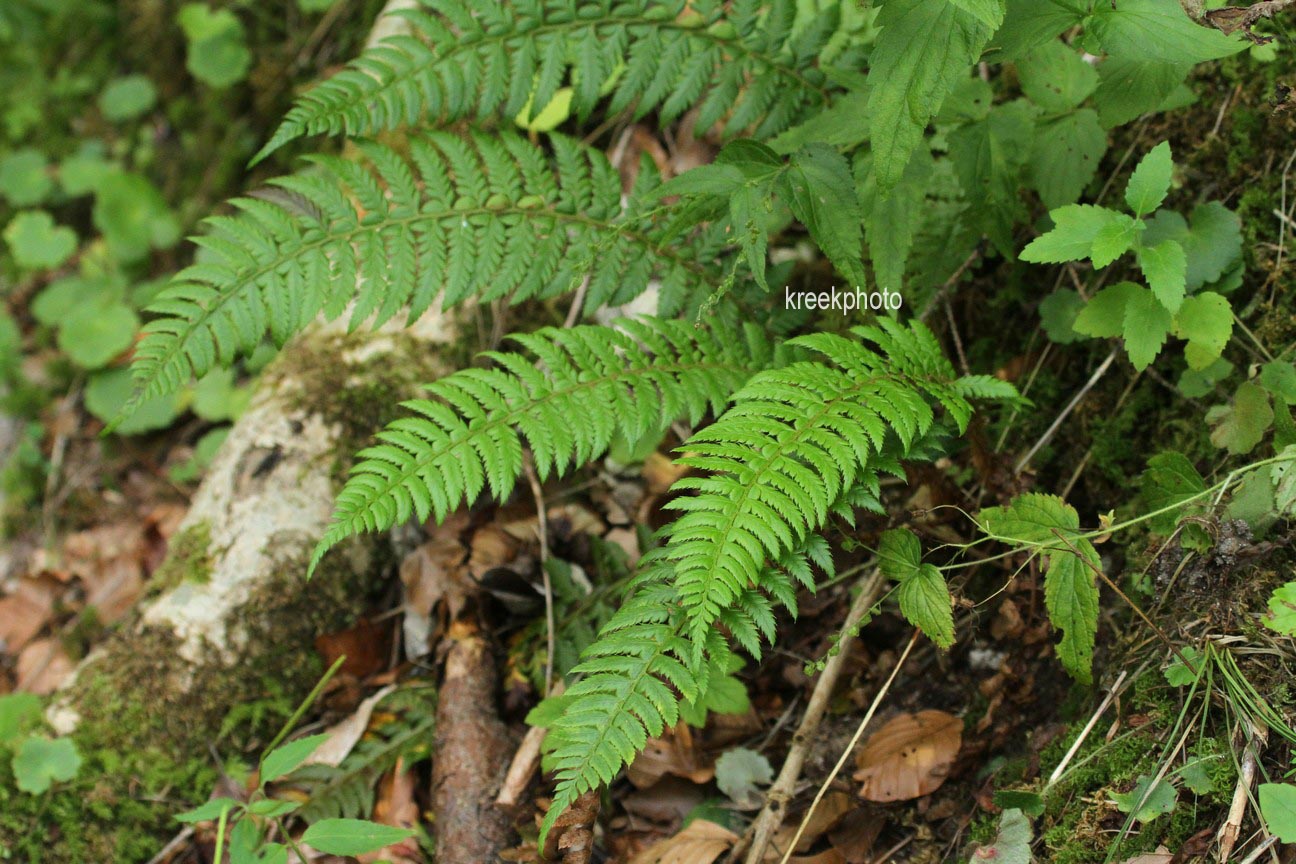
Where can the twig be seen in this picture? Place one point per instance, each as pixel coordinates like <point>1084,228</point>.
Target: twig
<point>1066,412</point>
<point>1084,733</point>
<point>543,529</point>
<point>1259,850</point>
<point>949,284</point>
<point>525,761</point>
<point>175,843</point>
<point>771,815</point>
<point>850,748</point>
<point>1228,833</point>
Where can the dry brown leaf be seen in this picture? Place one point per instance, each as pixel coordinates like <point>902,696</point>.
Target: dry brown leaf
<point>366,646</point>
<point>702,842</point>
<point>828,856</point>
<point>909,756</point>
<point>1162,855</point>
<point>855,834</point>
<point>491,547</point>
<point>434,572</point>
<point>664,804</point>
<point>344,735</point>
<point>42,666</point>
<point>660,472</point>
<point>24,612</point>
<point>396,806</point>
<point>825,816</point>
<point>673,753</point>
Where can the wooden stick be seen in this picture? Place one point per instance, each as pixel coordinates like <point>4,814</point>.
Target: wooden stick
<point>525,761</point>
<point>771,815</point>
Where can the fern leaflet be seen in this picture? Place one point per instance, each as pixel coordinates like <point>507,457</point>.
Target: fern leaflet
<point>632,381</point>
<point>793,442</point>
<point>739,60</point>
<point>482,215</point>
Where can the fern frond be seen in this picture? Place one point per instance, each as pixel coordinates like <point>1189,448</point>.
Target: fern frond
<point>584,386</point>
<point>738,60</point>
<point>485,216</point>
<point>794,441</point>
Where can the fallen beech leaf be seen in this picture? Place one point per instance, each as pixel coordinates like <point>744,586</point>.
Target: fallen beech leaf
<point>366,646</point>
<point>831,809</point>
<point>24,612</point>
<point>434,572</point>
<point>491,547</point>
<point>1162,855</point>
<point>909,756</point>
<point>344,734</point>
<point>42,666</point>
<point>702,842</point>
<point>673,753</point>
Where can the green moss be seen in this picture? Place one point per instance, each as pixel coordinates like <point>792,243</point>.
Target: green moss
<point>149,720</point>
<point>188,559</point>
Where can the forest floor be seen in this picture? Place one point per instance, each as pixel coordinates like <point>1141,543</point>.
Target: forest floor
<point>956,738</point>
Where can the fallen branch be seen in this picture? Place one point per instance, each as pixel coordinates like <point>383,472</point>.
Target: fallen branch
<point>784,787</point>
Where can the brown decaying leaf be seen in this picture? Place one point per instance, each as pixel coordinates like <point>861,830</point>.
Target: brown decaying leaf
<point>831,809</point>
<point>344,735</point>
<point>42,666</point>
<point>1162,855</point>
<point>702,842</point>
<point>396,806</point>
<point>673,753</point>
<point>909,756</point>
<point>24,612</point>
<point>366,646</point>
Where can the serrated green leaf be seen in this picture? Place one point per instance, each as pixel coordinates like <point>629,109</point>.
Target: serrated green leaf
<point>36,243</point>
<point>1104,315</point>
<point>1169,480</point>
<point>892,221</point>
<point>352,836</point>
<point>923,49</point>
<point>1031,23</point>
<point>1278,807</point>
<point>1056,78</point>
<point>1282,609</point>
<point>925,603</point>
<point>1206,321</point>
<point>40,762</point>
<point>822,196</point>
<point>1075,227</point>
<point>1239,427</point>
<point>1065,157</point>
<point>1113,240</point>
<point>989,157</point>
<point>1279,378</point>
<point>1165,266</point>
<point>1058,313</point>
<point>1129,87</point>
<point>1158,30</point>
<point>989,12</point>
<point>1150,182</point>
<point>899,553</point>
<point>1147,324</point>
<point>1180,674</point>
<point>1148,799</point>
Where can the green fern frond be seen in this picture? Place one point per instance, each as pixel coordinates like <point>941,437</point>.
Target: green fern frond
<point>740,61</point>
<point>584,386</point>
<point>485,216</point>
<point>794,441</point>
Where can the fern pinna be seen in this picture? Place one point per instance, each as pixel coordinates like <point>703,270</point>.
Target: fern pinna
<point>738,62</point>
<point>797,443</point>
<point>631,380</point>
<point>484,216</point>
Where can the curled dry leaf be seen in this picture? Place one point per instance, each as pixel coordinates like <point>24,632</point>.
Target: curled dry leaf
<point>24,612</point>
<point>909,756</point>
<point>702,842</point>
<point>42,666</point>
<point>344,735</point>
<point>1162,855</point>
<point>673,753</point>
<point>397,807</point>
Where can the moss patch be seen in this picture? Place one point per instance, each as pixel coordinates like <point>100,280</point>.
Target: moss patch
<point>149,722</point>
<point>188,559</point>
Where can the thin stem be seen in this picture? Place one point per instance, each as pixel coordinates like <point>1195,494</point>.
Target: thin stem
<point>305,705</point>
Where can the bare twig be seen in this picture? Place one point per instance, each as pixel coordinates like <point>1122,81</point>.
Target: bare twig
<point>1228,834</point>
<point>850,748</point>
<point>771,815</point>
<point>1084,733</point>
<point>525,761</point>
<point>1066,412</point>
<point>542,518</point>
